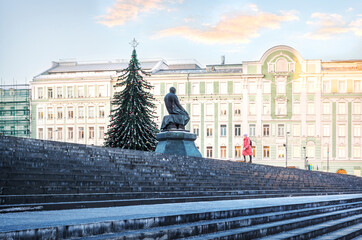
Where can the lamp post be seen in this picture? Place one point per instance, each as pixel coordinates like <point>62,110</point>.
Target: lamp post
<point>286,149</point>
<point>328,158</point>
<point>305,158</point>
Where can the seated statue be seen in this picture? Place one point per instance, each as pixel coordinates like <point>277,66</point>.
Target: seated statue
<point>178,117</point>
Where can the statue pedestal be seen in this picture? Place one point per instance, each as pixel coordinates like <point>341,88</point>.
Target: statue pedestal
<point>177,143</point>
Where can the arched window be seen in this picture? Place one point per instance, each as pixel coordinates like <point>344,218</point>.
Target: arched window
<point>281,65</point>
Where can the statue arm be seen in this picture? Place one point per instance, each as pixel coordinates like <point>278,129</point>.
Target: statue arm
<point>177,103</point>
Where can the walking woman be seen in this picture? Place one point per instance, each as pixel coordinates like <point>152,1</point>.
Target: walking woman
<point>247,148</point>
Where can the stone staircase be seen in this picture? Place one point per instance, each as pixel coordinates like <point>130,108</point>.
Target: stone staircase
<point>37,175</point>
<point>45,175</point>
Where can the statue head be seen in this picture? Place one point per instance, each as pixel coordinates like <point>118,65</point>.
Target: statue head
<point>173,90</point>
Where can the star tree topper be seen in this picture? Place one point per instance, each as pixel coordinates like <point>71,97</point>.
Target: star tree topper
<point>134,43</point>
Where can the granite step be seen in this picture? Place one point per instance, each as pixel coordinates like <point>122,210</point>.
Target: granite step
<point>351,232</point>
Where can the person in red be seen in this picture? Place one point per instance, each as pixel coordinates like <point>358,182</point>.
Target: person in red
<point>247,151</point>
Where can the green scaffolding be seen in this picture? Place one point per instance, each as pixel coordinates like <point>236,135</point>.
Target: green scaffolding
<point>15,110</point>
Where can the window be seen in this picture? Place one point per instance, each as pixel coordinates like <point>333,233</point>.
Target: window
<point>59,113</point>
<point>326,108</point>
<point>50,113</point>
<point>70,113</point>
<point>223,108</point>
<point>40,133</point>
<point>252,87</point>
<point>91,91</point>
<point>196,130</point>
<point>81,133</point>
<point>168,86</point>
<point>238,152</point>
<point>12,112</point>
<point>209,88</point>
<point>267,87</point>
<point>342,130</point>
<point>196,109</point>
<point>101,133</point>
<point>342,108</point>
<point>50,92</point>
<point>280,86</point>
<point>70,133</point>
<point>237,109</point>
<point>237,130</point>
<point>296,152</point>
<point>281,65</point>
<point>59,133</point>
<point>195,88</point>
<point>310,86</point>
<point>342,151</point>
<point>102,91</point>
<point>252,109</point>
<point>326,88</point>
<point>80,112</point>
<point>237,88</point>
<point>59,92</point>
<point>80,91</point>
<point>281,108</point>
<point>223,130</point>
<point>50,133</point>
<point>296,108</point>
<point>181,89</point>
<point>341,86</point>
<point>101,111</point>
<point>91,111</point>
<point>209,152</point>
<point>70,92</point>
<point>281,152</point>
<point>209,131</point>
<point>209,109</point>
<point>296,130</point>
<point>156,89</point>
<point>357,130</point>
<point>356,108</point>
<point>311,129</point>
<point>357,86</point>
<point>296,87</point>
<point>326,130</point>
<point>266,152</point>
<point>266,108</point>
<point>224,88</point>
<point>91,132</point>
<point>356,151</point>
<point>251,130</point>
<point>223,152</point>
<point>40,113</point>
<point>253,149</point>
<point>266,130</point>
<point>280,130</point>
<point>310,150</point>
<point>310,108</point>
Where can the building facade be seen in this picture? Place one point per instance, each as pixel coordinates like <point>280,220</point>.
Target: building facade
<point>15,110</point>
<point>298,113</point>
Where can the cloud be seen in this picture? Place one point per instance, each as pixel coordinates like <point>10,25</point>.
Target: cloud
<point>232,28</point>
<point>350,9</point>
<point>126,10</point>
<point>329,25</point>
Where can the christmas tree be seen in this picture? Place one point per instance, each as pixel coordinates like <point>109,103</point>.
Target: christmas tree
<point>132,125</point>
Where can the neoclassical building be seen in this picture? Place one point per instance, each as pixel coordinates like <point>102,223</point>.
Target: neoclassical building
<point>299,113</point>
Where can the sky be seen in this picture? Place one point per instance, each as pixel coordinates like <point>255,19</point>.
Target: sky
<point>33,33</point>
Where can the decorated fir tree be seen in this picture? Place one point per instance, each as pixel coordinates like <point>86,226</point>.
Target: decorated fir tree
<point>131,124</point>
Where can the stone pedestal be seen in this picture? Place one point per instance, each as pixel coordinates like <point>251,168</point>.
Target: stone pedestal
<point>177,143</point>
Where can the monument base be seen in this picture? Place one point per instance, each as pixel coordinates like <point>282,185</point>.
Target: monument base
<point>177,143</point>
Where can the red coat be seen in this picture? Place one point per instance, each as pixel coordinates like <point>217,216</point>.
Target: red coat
<point>247,148</point>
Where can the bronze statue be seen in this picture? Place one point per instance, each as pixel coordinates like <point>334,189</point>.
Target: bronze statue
<point>178,117</point>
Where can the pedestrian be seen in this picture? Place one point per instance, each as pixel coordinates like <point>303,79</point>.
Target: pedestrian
<point>247,151</point>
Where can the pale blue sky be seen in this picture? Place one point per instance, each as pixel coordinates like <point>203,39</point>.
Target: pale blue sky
<point>35,32</point>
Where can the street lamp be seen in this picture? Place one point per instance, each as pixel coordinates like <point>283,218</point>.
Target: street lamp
<point>286,149</point>
<point>328,158</point>
<point>305,158</point>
